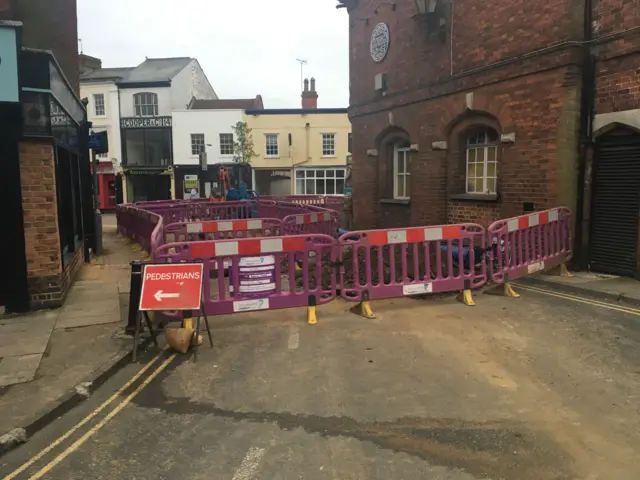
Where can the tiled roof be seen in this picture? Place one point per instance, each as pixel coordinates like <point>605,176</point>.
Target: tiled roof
<point>106,74</point>
<point>157,69</point>
<point>227,104</point>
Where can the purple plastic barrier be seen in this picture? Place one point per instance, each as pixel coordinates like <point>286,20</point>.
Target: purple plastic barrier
<point>530,243</point>
<point>413,261</point>
<point>315,280</point>
<point>222,229</point>
<point>324,222</point>
<point>267,209</point>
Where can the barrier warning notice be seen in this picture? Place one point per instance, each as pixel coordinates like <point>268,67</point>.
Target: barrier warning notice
<point>172,287</point>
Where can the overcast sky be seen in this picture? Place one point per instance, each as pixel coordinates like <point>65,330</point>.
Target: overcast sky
<point>246,47</point>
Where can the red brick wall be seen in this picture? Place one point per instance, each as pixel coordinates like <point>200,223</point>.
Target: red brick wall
<point>537,98</point>
<point>618,54</point>
<point>51,25</point>
<point>48,282</point>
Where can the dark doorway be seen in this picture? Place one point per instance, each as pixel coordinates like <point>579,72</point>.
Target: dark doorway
<point>615,206</point>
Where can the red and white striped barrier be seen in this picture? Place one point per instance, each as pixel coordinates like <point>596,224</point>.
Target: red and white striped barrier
<point>530,243</point>
<point>222,229</point>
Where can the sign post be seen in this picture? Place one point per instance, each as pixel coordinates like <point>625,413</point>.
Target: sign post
<point>172,287</point>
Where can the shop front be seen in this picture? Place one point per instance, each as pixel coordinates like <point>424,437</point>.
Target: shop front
<point>53,187</point>
<point>193,182</point>
<point>106,186</point>
<point>146,158</point>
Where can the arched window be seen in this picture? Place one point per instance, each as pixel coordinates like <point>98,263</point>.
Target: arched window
<point>401,171</point>
<point>146,104</point>
<point>482,161</point>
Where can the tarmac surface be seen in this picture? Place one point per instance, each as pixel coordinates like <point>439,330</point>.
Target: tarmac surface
<point>542,387</point>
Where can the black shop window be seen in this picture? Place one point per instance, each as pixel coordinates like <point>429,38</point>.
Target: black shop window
<point>148,148</point>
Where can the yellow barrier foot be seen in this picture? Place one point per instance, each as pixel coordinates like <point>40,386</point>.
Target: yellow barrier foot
<point>298,267</point>
<point>467,298</point>
<point>509,291</point>
<point>312,319</point>
<point>363,309</point>
<point>136,247</point>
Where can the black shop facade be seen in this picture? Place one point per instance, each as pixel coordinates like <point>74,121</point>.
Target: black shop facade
<point>147,161</point>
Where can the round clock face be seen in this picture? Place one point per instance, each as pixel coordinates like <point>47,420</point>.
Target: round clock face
<point>380,42</point>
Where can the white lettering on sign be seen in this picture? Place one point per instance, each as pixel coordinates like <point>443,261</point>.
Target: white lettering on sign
<point>249,305</point>
<point>173,276</point>
<point>535,267</point>
<point>417,289</point>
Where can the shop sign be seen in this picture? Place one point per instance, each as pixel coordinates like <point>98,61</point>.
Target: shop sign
<point>191,186</point>
<point>145,122</point>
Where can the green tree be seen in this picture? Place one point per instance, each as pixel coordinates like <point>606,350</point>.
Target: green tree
<point>243,145</point>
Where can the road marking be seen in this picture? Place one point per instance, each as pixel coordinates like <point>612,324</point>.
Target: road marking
<point>249,465</point>
<point>78,443</point>
<point>596,303</point>
<point>99,409</point>
<point>294,338</point>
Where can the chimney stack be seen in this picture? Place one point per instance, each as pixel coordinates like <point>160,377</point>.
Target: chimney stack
<point>309,96</point>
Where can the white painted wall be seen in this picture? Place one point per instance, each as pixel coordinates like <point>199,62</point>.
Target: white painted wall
<point>127,108</point>
<point>190,82</point>
<point>209,122</point>
<point>110,122</point>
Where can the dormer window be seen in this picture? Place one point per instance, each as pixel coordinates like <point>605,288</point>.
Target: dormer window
<point>145,104</point>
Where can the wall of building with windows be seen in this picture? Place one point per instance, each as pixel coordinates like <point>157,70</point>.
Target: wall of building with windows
<point>145,102</point>
<point>211,129</point>
<point>311,145</point>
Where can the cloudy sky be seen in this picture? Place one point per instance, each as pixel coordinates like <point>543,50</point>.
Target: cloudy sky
<point>246,47</point>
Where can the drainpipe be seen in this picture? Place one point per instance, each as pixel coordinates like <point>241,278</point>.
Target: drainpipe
<point>587,102</point>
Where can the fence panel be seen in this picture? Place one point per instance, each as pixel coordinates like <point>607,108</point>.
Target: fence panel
<point>398,262</point>
<point>530,243</point>
<point>222,230</point>
<point>261,273</point>
<point>324,222</point>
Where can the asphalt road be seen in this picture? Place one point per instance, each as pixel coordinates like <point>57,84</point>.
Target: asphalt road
<point>536,388</point>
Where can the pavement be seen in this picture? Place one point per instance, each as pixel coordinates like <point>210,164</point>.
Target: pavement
<point>604,287</point>
<point>50,360</point>
<point>541,387</point>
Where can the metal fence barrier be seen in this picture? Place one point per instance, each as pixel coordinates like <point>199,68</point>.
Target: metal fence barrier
<point>393,263</point>
<point>222,230</point>
<point>293,258</point>
<point>261,274</point>
<point>529,244</point>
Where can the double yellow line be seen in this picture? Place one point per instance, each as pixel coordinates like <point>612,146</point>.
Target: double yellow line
<point>596,303</point>
<point>75,445</point>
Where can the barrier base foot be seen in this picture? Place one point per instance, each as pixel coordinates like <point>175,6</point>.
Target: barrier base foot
<point>509,291</point>
<point>136,247</point>
<point>312,319</point>
<point>147,257</point>
<point>560,271</point>
<point>467,298</point>
<point>363,309</point>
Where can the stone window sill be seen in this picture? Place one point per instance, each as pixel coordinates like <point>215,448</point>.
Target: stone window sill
<point>475,197</point>
<point>396,201</point>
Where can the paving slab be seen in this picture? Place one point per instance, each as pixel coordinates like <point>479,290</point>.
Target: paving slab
<point>26,335</point>
<point>19,369</point>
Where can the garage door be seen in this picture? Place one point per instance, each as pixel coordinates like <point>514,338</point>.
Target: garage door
<point>615,205</point>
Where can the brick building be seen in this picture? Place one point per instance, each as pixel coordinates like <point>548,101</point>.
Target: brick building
<point>45,183</point>
<point>468,112</point>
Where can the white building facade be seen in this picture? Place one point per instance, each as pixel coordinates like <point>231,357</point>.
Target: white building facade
<point>207,125</point>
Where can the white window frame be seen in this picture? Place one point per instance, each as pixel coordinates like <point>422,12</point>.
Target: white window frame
<point>195,142</point>
<point>231,145</point>
<point>266,145</point>
<point>479,146</point>
<point>143,101</point>
<point>311,173</point>
<point>97,104</point>
<point>328,138</point>
<point>405,173</point>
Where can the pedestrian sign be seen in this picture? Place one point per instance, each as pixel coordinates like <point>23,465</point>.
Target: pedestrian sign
<point>172,287</point>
